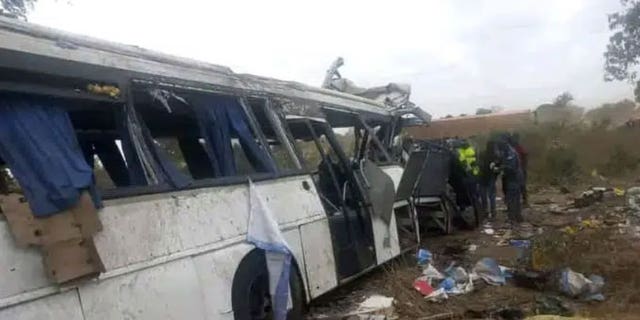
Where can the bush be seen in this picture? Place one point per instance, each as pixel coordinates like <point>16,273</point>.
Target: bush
<point>562,166</point>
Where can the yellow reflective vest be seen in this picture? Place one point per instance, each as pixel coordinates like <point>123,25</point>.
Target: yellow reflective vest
<point>467,157</point>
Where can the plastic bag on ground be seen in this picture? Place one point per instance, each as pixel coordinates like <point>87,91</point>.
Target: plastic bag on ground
<point>489,270</point>
<point>432,273</point>
<point>458,274</point>
<point>424,256</point>
<point>452,287</point>
<point>437,296</point>
<point>575,284</point>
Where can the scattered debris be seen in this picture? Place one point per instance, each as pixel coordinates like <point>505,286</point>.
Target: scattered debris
<point>552,305</point>
<point>553,317</point>
<point>432,273</point>
<point>589,197</point>
<point>488,229</point>
<point>524,250</point>
<point>575,285</point>
<point>423,285</point>
<point>424,256</point>
<point>633,199</point>
<point>489,270</point>
<point>556,209</point>
<point>531,279</point>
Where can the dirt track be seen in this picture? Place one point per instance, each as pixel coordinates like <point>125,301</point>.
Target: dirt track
<point>601,240</point>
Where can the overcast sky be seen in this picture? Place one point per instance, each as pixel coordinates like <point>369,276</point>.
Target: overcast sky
<point>457,55</point>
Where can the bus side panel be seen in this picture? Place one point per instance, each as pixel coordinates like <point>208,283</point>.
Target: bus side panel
<point>289,200</point>
<point>386,235</point>
<point>319,257</point>
<point>294,240</point>
<point>22,269</point>
<point>143,228</point>
<point>215,273</point>
<point>168,291</point>
<point>60,306</point>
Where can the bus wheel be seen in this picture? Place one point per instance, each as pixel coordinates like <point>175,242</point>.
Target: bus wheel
<point>250,294</point>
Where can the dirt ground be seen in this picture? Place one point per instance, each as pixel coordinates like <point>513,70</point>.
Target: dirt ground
<point>601,238</point>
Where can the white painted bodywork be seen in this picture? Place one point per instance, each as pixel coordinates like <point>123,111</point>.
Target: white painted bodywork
<point>386,235</point>
<point>174,255</point>
<point>319,257</point>
<point>171,255</point>
<point>65,306</point>
<point>28,38</point>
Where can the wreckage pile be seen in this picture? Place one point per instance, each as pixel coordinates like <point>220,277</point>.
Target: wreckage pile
<point>552,267</point>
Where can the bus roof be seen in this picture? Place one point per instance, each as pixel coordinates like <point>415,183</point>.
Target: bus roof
<point>35,48</point>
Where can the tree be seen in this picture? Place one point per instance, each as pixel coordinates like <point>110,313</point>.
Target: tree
<point>623,51</point>
<point>17,8</point>
<point>481,111</point>
<point>563,100</point>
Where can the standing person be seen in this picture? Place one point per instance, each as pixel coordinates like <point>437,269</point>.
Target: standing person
<point>511,180</point>
<point>489,171</point>
<point>523,155</point>
<point>467,194</point>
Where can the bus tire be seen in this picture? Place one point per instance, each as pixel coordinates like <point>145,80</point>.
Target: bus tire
<point>250,291</point>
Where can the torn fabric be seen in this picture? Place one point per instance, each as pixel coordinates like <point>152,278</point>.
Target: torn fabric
<point>39,144</point>
<point>264,233</point>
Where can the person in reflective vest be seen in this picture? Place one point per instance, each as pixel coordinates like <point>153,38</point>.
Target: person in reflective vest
<point>467,157</point>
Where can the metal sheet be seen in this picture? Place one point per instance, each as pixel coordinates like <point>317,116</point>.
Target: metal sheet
<point>395,172</point>
<point>64,306</point>
<point>169,291</point>
<point>386,238</point>
<point>295,244</point>
<point>22,37</point>
<point>319,257</point>
<point>288,199</point>
<point>21,270</point>
<point>148,227</point>
<point>410,175</point>
<point>215,272</point>
<point>385,235</point>
<point>381,189</point>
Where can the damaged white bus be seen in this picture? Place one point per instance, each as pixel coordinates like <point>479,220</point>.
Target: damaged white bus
<point>137,185</point>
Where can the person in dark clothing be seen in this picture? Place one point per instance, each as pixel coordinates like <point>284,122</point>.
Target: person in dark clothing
<point>487,179</point>
<point>511,180</point>
<point>523,155</point>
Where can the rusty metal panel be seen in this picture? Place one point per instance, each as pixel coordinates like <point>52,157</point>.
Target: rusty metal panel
<point>64,306</point>
<point>319,257</point>
<point>170,291</point>
<point>21,270</point>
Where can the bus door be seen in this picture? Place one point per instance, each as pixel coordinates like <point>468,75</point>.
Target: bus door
<point>349,217</point>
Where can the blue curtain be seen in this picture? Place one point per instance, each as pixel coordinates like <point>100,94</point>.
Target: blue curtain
<point>39,144</point>
<point>222,118</point>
